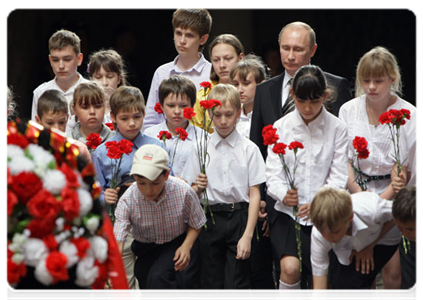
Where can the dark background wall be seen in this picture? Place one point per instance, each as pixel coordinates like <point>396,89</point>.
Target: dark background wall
<point>145,39</point>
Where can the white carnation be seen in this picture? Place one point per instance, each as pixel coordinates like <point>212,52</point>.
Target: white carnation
<point>20,164</point>
<point>54,181</point>
<point>86,272</point>
<point>40,155</point>
<point>34,251</point>
<point>92,224</point>
<point>85,202</point>
<point>14,151</point>
<point>41,273</point>
<point>99,248</point>
<point>69,249</point>
<point>17,258</point>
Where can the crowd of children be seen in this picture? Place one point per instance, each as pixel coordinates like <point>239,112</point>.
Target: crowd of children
<point>233,217</point>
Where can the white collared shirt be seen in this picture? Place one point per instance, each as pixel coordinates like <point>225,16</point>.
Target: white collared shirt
<point>380,160</point>
<point>323,161</point>
<point>52,85</point>
<point>235,165</point>
<point>183,148</point>
<point>285,87</point>
<point>243,124</point>
<point>370,214</point>
<point>198,73</point>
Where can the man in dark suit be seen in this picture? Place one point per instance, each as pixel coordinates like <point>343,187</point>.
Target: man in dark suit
<point>297,45</point>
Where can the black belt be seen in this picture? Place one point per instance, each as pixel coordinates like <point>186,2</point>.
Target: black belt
<point>229,207</point>
<point>374,178</point>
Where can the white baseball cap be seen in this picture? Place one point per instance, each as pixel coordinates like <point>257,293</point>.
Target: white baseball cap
<point>150,161</point>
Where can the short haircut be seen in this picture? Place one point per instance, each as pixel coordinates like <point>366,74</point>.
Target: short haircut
<point>64,38</point>
<point>251,63</point>
<point>110,60</point>
<point>127,98</point>
<point>376,63</point>
<point>226,93</point>
<point>229,39</point>
<point>178,85</point>
<point>52,101</point>
<point>198,20</point>
<point>404,204</point>
<point>302,25</point>
<point>88,93</point>
<point>330,208</point>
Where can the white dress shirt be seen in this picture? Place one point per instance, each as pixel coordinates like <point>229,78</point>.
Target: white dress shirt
<point>323,161</point>
<point>52,85</point>
<point>370,214</point>
<point>243,124</point>
<point>234,166</point>
<point>380,160</point>
<point>183,148</point>
<point>198,73</point>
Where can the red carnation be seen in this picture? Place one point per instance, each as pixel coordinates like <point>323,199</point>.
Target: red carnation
<point>181,133</point>
<point>12,200</point>
<point>125,146</point>
<point>70,203</point>
<point>158,108</point>
<point>279,148</point>
<point>41,227</point>
<point>360,143</point>
<point>102,275</point>
<point>206,85</point>
<point>295,145</point>
<point>113,150</point>
<point>385,118</point>
<point>56,266</point>
<point>82,245</point>
<point>17,139</point>
<point>71,177</point>
<point>44,205</point>
<point>110,125</point>
<point>50,242</point>
<point>93,140</point>
<point>209,104</point>
<point>164,135</point>
<point>26,185</point>
<point>189,113</point>
<point>15,271</point>
<point>269,135</point>
<point>363,154</point>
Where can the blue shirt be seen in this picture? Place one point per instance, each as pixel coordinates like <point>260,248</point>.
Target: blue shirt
<point>102,163</point>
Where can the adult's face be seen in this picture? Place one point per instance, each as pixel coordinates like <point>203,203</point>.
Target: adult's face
<point>294,46</point>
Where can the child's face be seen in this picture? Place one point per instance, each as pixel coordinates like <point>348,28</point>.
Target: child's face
<point>223,58</point>
<point>188,41</point>
<point>225,118</point>
<point>246,87</point>
<point>90,115</point>
<point>407,229</point>
<point>151,190</point>
<point>129,123</point>
<point>309,109</point>
<point>64,63</point>
<point>107,79</point>
<point>377,89</point>
<point>173,108</point>
<point>336,234</point>
<point>50,119</point>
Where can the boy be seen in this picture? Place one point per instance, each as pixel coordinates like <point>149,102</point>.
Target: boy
<point>52,113</point>
<point>166,218</point>
<point>359,229</point>
<point>236,170</point>
<point>191,28</point>
<point>404,212</point>
<point>65,57</point>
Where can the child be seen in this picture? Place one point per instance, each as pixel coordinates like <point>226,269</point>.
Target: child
<point>191,28</point>
<point>127,110</point>
<point>224,51</point>
<point>88,104</point>
<point>176,93</point>
<point>378,84</point>
<point>165,216</point>
<point>65,57</point>
<point>236,170</point>
<point>245,76</point>
<point>404,212</point>
<point>322,161</point>
<point>358,229</point>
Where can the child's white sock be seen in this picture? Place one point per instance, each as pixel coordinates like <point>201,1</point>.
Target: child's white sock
<point>289,291</point>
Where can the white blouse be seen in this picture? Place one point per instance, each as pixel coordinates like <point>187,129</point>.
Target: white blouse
<point>243,124</point>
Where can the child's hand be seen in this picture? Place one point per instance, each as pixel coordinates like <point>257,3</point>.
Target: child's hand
<point>243,248</point>
<point>291,198</point>
<point>304,212</point>
<point>398,182</point>
<point>201,181</point>
<point>262,212</point>
<point>111,195</point>
<point>182,258</point>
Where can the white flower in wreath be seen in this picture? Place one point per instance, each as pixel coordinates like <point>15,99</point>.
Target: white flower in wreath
<point>18,164</point>
<point>85,202</point>
<point>54,181</point>
<point>42,274</point>
<point>69,249</point>
<point>14,151</point>
<point>92,224</point>
<point>86,272</point>
<point>99,248</point>
<point>34,251</point>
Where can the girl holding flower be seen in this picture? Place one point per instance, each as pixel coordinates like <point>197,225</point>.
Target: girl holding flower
<point>378,86</point>
<point>322,161</point>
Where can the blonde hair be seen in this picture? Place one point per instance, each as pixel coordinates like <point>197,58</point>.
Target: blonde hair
<point>127,98</point>
<point>330,207</point>
<point>226,93</point>
<point>378,62</point>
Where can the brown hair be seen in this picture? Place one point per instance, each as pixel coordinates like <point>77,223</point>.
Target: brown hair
<point>52,101</point>
<point>311,36</point>
<point>64,38</point>
<point>88,93</point>
<point>251,63</point>
<point>178,85</point>
<point>110,60</point>
<point>127,98</point>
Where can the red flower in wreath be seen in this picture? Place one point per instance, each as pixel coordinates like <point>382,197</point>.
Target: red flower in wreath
<point>82,245</point>
<point>70,203</point>
<point>15,271</point>
<point>41,227</point>
<point>56,266</point>
<point>44,205</point>
<point>26,185</point>
<point>12,200</point>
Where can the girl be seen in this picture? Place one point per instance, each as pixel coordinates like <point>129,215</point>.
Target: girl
<point>378,84</point>
<point>224,51</point>
<point>323,161</point>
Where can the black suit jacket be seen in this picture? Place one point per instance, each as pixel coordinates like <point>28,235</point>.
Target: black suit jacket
<point>268,109</point>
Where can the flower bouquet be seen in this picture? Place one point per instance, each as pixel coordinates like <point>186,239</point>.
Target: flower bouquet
<point>360,146</point>
<point>166,135</point>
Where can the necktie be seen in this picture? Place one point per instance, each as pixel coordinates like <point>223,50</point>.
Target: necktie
<point>289,104</point>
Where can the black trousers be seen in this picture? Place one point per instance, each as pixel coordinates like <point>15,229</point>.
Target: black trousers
<point>219,267</point>
<point>346,277</point>
<point>408,265</point>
